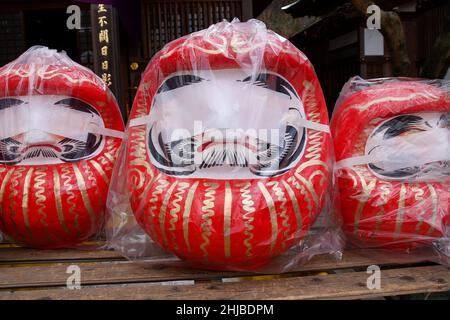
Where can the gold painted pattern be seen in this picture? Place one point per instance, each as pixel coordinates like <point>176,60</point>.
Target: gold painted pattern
<point>281,198</point>
<point>378,221</point>
<point>367,190</point>
<point>46,74</point>
<point>159,189</point>
<point>435,204</point>
<point>208,213</point>
<point>227,220</point>
<point>182,186</point>
<point>303,192</point>
<point>58,201</point>
<point>314,150</point>
<point>109,157</point>
<point>310,188</point>
<point>141,99</point>
<point>223,48</point>
<point>162,211</point>
<point>364,107</point>
<point>139,152</point>
<point>40,174</point>
<point>84,194</point>
<point>418,196</point>
<point>147,188</point>
<point>400,210</point>
<point>26,193</point>
<point>249,207</point>
<point>91,178</point>
<point>273,214</point>
<point>100,170</point>
<point>187,212</point>
<point>296,207</point>
<point>68,187</point>
<point>385,190</point>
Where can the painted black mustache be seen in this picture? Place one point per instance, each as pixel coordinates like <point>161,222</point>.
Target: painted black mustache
<point>67,150</point>
<point>178,157</point>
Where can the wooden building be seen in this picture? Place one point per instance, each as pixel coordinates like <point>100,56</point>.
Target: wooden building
<point>136,30</point>
<point>340,46</point>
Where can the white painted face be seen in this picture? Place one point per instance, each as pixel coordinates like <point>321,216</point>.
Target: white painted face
<point>47,129</point>
<point>419,136</point>
<point>224,124</point>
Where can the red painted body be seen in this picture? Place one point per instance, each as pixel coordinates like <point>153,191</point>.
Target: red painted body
<point>229,224</point>
<point>61,205</point>
<point>379,212</point>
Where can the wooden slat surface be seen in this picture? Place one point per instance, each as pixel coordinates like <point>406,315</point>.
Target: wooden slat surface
<point>20,255</point>
<point>36,275</point>
<point>336,286</point>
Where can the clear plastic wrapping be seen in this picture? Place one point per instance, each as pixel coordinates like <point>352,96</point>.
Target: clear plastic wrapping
<point>60,131</point>
<point>392,146</point>
<point>228,158</point>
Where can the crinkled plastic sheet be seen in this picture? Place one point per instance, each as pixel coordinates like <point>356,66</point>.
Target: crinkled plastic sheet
<point>392,145</point>
<point>60,130</point>
<point>228,159</point>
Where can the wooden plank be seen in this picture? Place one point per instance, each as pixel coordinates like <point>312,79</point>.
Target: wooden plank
<point>20,255</point>
<point>337,286</point>
<point>128,272</point>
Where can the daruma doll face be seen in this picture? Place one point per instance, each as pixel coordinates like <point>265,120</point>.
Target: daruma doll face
<point>221,170</point>
<point>401,203</point>
<point>55,160</point>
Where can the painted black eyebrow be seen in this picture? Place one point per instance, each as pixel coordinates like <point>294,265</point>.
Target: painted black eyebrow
<point>78,105</point>
<point>398,125</point>
<point>272,82</point>
<point>445,118</point>
<point>179,81</point>
<point>10,102</point>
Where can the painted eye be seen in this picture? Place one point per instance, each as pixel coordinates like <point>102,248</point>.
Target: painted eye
<point>67,148</point>
<point>14,149</point>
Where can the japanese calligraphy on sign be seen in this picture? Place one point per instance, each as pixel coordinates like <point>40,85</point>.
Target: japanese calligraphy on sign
<point>104,42</point>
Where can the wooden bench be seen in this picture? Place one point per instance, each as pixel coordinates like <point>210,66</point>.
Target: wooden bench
<point>38,274</point>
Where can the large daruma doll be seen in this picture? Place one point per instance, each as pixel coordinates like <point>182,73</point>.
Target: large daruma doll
<point>392,144</point>
<point>228,149</point>
<point>59,136</point>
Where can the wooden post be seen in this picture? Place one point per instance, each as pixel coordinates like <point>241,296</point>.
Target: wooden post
<point>247,10</point>
<point>105,38</point>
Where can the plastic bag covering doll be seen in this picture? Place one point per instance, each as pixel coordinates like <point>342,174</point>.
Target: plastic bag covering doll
<point>228,155</point>
<point>392,142</point>
<point>59,136</point>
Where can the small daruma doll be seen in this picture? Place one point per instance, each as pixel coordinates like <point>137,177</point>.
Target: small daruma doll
<point>228,150</point>
<point>59,134</point>
<point>392,143</point>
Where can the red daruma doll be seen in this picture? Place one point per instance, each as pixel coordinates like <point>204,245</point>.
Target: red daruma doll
<point>228,155</point>
<point>392,143</point>
<point>59,135</point>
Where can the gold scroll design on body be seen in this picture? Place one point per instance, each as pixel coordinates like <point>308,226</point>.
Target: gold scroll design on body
<point>249,207</point>
<point>237,46</point>
<point>39,183</point>
<point>139,160</point>
<point>68,189</point>
<point>208,213</point>
<point>153,204</point>
<point>313,153</point>
<point>177,198</point>
<point>283,213</point>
